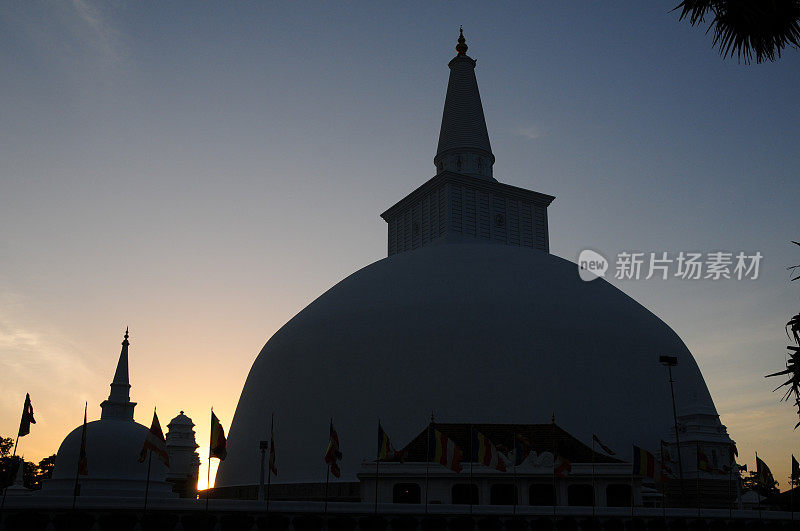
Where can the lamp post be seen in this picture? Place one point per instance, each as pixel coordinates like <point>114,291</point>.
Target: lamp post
<point>669,362</point>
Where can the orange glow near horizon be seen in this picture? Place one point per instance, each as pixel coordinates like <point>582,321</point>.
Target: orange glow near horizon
<point>766,427</point>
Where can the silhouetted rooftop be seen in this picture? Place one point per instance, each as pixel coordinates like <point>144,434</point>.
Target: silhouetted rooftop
<point>542,438</point>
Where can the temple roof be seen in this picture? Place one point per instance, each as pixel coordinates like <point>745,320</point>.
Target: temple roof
<point>542,438</point>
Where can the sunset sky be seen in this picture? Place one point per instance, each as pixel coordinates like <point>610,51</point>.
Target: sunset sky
<point>200,172</point>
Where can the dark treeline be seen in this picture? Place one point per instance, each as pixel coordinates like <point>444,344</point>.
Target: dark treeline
<point>33,473</point>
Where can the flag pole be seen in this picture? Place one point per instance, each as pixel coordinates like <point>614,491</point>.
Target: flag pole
<point>663,483</point>
<point>516,493</point>
<point>327,479</point>
<point>328,469</point>
<point>428,463</point>
<point>272,450</point>
<point>739,487</point>
<point>15,446</point>
<point>377,463</point>
<point>554,487</point>
<point>78,464</point>
<point>699,494</point>
<point>147,483</point>
<point>730,496</point>
<point>593,481</point>
<point>758,480</point>
<point>632,492</point>
<point>263,448</point>
<point>471,458</point>
<point>208,477</point>
<point>555,451</point>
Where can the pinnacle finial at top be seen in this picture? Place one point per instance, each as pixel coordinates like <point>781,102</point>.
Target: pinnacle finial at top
<point>461,47</point>
<point>126,335</point>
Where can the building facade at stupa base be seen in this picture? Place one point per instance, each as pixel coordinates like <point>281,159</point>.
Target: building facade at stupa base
<point>555,469</point>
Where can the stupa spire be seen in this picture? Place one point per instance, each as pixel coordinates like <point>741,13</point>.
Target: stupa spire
<point>121,374</point>
<point>463,138</point>
<point>119,403</point>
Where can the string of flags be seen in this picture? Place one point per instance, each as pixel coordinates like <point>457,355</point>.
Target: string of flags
<point>441,449</point>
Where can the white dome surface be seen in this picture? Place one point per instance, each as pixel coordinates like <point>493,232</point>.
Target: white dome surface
<point>113,447</point>
<point>472,332</point>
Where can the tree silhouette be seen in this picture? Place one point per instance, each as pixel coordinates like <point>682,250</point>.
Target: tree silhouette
<point>793,370</point>
<point>750,482</point>
<point>5,446</point>
<point>793,363</point>
<point>42,471</point>
<point>747,28</point>
<point>795,267</point>
<point>32,474</point>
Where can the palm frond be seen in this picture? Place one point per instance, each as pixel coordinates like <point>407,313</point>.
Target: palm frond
<point>794,326</point>
<point>747,28</point>
<point>694,10</point>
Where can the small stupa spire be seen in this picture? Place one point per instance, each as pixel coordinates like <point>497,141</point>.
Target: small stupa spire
<point>119,403</point>
<point>121,374</point>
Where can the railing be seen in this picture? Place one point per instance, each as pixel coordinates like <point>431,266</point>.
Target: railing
<point>224,515</point>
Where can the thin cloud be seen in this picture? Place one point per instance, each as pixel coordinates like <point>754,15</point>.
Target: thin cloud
<point>105,36</point>
<point>27,356</point>
<point>79,35</point>
<point>531,132</point>
<point>39,362</point>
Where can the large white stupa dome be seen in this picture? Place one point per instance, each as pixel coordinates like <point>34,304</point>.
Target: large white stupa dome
<point>474,333</point>
<point>470,318</point>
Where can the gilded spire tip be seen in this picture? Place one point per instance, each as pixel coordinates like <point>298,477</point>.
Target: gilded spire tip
<point>461,47</point>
